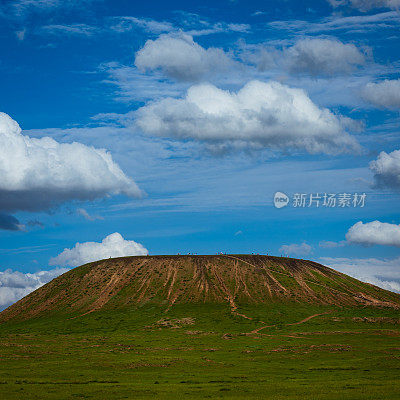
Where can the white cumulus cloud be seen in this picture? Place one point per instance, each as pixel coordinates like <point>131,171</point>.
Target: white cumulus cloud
<point>296,249</point>
<point>310,56</point>
<point>15,285</point>
<point>112,246</point>
<point>260,115</point>
<point>180,57</point>
<point>385,94</point>
<point>375,232</point>
<point>386,169</point>
<point>323,56</point>
<point>36,174</point>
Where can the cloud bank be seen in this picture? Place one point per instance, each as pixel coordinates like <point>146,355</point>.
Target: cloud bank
<point>15,285</point>
<point>36,174</point>
<point>179,57</point>
<point>385,94</point>
<point>386,169</point>
<point>374,233</point>
<point>323,56</point>
<point>112,246</point>
<point>384,273</point>
<point>310,56</point>
<point>260,115</point>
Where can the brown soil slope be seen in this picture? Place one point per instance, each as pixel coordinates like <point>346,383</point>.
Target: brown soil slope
<point>167,280</point>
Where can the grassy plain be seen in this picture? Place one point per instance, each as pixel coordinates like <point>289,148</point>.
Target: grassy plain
<point>198,351</point>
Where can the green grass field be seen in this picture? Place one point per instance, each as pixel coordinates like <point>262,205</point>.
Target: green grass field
<point>204,351</point>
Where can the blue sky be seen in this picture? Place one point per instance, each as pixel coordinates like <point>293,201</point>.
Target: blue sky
<point>207,110</point>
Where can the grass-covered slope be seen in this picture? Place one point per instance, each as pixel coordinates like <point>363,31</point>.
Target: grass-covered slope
<point>235,280</point>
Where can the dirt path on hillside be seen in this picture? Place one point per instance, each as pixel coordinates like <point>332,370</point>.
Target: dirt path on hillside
<point>255,331</point>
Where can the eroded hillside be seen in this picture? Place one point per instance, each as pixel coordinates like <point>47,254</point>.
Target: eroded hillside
<point>167,280</point>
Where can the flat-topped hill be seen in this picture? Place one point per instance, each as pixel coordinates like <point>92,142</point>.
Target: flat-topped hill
<point>168,280</point>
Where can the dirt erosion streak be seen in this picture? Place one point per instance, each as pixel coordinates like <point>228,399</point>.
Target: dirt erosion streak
<point>288,275</point>
<point>229,297</point>
<point>234,307</point>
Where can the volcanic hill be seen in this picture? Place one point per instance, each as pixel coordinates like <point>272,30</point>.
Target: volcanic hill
<point>234,280</point>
